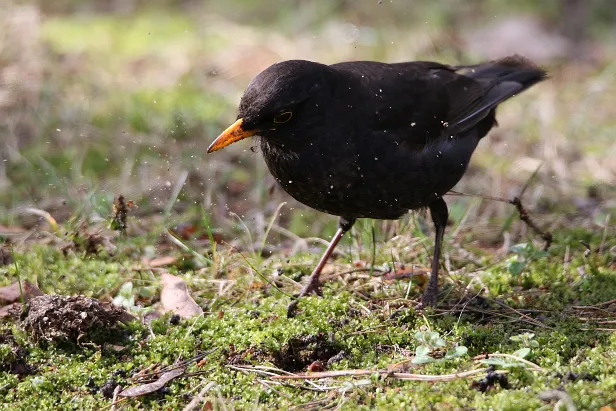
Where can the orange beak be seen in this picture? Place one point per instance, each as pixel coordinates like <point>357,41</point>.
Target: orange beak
<point>232,134</point>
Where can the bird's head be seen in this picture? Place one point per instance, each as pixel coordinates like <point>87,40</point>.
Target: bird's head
<point>281,99</point>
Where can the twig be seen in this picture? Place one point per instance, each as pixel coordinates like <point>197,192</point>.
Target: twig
<point>604,303</point>
<point>353,271</point>
<point>146,374</point>
<point>512,357</point>
<point>524,215</point>
<point>267,384</point>
<point>199,397</point>
<point>262,369</point>
<point>488,312</point>
<point>385,373</point>
<point>437,378</point>
<point>530,319</point>
<point>115,401</point>
<point>598,329</point>
<point>255,370</point>
<point>559,395</point>
<point>116,391</point>
<point>369,330</point>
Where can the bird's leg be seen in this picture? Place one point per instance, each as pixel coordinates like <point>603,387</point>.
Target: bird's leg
<point>313,284</point>
<point>438,210</point>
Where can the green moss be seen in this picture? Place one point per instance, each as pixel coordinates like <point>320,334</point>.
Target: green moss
<point>56,274</point>
<point>257,331</point>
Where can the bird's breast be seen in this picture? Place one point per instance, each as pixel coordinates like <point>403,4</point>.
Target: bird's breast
<point>375,181</point>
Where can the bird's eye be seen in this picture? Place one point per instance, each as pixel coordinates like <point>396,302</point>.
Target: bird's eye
<point>283,117</point>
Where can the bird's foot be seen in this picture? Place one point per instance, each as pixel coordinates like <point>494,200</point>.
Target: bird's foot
<point>313,287</point>
<point>429,298</point>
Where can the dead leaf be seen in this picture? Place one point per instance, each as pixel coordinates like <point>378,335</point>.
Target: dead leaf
<point>160,261</point>
<point>175,297</point>
<point>149,388</point>
<point>11,293</point>
<point>316,366</point>
<point>11,230</point>
<point>420,274</point>
<point>9,310</point>
<point>114,347</point>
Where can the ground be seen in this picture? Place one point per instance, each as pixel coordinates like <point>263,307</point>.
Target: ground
<point>99,102</point>
<point>365,323</point>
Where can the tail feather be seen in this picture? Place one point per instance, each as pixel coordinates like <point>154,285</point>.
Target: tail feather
<point>514,68</point>
<point>501,80</point>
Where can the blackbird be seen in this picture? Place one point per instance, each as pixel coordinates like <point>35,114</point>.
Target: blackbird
<point>366,139</point>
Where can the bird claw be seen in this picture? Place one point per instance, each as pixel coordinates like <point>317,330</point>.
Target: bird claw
<point>313,287</point>
<point>429,298</point>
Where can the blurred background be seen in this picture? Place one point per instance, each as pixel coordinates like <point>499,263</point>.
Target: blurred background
<point>106,97</point>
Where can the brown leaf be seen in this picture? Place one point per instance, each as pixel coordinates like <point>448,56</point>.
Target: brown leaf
<point>175,297</point>
<point>11,293</point>
<point>185,230</point>
<point>144,389</point>
<point>9,310</point>
<point>160,261</point>
<point>114,347</point>
<point>8,230</point>
<point>420,274</point>
<point>316,366</point>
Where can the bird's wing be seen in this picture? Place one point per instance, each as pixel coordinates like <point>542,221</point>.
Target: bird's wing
<point>417,103</point>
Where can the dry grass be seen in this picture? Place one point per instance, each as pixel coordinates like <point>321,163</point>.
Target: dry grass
<point>125,102</point>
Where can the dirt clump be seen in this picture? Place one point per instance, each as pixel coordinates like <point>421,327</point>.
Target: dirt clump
<point>75,318</point>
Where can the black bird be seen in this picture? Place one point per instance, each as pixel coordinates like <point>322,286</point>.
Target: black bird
<point>373,140</point>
